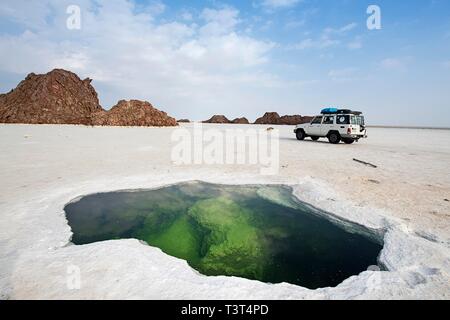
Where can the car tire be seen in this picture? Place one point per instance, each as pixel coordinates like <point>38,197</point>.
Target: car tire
<point>334,137</point>
<point>348,141</point>
<point>315,138</point>
<point>300,135</point>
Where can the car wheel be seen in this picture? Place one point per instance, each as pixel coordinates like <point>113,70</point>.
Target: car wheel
<point>300,135</point>
<point>334,138</point>
<point>315,138</point>
<point>348,141</point>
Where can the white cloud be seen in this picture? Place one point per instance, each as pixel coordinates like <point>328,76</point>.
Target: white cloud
<point>355,44</point>
<point>294,24</point>
<point>129,55</point>
<point>219,22</point>
<point>275,4</point>
<point>187,16</point>
<point>343,75</point>
<point>341,30</point>
<point>396,64</point>
<point>28,13</point>
<point>304,44</point>
<point>266,25</point>
<point>330,37</point>
<point>154,7</point>
<point>321,43</point>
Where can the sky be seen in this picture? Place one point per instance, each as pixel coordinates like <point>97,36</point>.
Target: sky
<point>194,59</point>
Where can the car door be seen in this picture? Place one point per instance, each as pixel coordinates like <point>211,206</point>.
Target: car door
<point>314,128</point>
<point>328,124</point>
<point>342,123</point>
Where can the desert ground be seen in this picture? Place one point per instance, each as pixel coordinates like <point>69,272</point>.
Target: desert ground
<point>43,167</point>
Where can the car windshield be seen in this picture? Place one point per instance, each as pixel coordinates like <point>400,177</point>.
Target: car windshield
<point>358,120</point>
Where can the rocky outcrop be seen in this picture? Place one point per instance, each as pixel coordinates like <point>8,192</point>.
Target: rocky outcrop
<point>61,97</point>
<point>58,97</point>
<point>218,119</point>
<point>223,119</point>
<point>274,118</point>
<point>133,113</point>
<point>240,121</point>
<point>268,118</point>
<point>183,121</point>
<point>294,120</point>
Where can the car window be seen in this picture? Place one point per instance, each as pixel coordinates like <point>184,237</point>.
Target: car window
<point>358,120</point>
<point>343,120</point>
<point>317,120</point>
<point>328,120</point>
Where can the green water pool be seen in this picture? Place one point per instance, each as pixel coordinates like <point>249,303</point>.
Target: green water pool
<point>255,232</point>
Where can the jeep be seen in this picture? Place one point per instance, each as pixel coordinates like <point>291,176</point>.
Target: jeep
<point>335,124</point>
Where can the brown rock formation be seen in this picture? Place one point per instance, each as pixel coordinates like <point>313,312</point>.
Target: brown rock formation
<point>268,118</point>
<point>134,113</point>
<point>274,118</point>
<point>61,97</point>
<point>307,119</point>
<point>294,120</point>
<point>218,119</point>
<point>58,97</point>
<point>240,121</point>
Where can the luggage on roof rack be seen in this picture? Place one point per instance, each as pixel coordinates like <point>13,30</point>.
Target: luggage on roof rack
<point>329,110</point>
<point>344,111</point>
<point>339,111</point>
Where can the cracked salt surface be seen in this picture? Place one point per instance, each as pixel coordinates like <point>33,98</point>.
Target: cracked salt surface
<point>35,249</point>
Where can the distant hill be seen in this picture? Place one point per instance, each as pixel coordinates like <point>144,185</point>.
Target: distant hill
<point>61,97</point>
<point>240,121</point>
<point>218,119</point>
<point>274,118</point>
<point>268,118</point>
<point>133,113</point>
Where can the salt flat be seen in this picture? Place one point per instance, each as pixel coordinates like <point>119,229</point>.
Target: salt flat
<point>42,168</point>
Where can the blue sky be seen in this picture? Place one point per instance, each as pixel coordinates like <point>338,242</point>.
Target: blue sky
<point>194,59</point>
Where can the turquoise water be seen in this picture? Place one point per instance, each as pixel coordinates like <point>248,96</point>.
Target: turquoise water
<point>255,232</point>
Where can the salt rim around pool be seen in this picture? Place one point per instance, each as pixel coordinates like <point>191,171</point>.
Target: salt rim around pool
<point>258,232</point>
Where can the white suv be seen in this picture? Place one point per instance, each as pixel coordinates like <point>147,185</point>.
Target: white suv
<point>336,125</point>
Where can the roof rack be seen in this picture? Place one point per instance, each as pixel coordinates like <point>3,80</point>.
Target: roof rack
<point>340,111</point>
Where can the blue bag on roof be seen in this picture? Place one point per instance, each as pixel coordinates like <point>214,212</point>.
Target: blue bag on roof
<point>329,110</point>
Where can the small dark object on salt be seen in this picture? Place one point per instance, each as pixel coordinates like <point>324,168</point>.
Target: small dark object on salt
<point>365,163</point>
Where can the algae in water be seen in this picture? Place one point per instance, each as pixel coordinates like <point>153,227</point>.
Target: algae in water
<point>254,232</point>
